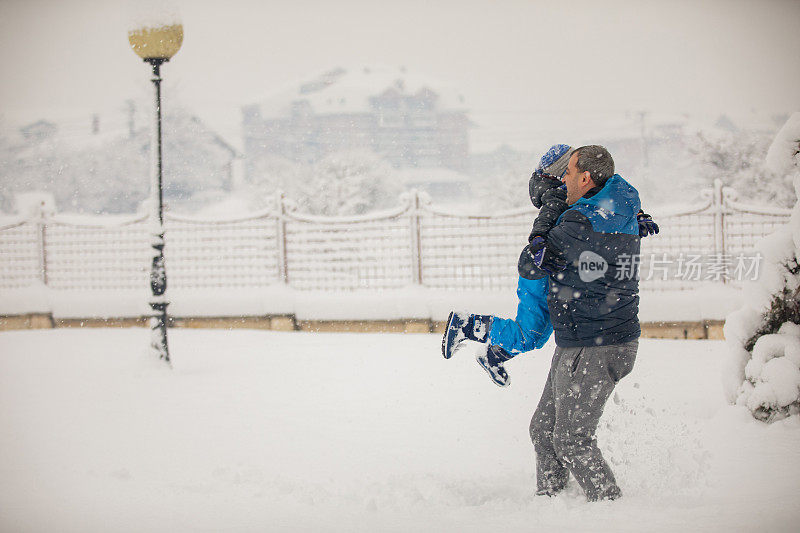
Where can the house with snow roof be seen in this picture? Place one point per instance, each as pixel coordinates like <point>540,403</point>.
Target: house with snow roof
<point>410,121</point>
<point>103,164</point>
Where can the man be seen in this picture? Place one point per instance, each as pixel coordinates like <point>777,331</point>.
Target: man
<point>504,338</point>
<point>589,257</point>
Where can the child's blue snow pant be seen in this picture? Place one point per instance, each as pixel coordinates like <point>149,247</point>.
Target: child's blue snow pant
<point>532,327</point>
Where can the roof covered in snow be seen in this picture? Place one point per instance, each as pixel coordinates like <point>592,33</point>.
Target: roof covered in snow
<point>349,90</point>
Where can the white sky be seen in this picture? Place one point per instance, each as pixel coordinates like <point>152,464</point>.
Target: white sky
<point>515,61</point>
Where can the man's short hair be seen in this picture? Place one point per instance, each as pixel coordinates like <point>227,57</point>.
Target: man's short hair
<point>595,160</point>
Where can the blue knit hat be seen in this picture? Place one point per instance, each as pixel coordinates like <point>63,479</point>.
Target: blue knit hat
<point>554,161</point>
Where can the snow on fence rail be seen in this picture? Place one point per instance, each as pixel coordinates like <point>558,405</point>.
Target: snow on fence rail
<point>416,244</point>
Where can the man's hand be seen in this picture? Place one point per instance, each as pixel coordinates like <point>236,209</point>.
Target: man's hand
<point>647,225</point>
<point>544,257</point>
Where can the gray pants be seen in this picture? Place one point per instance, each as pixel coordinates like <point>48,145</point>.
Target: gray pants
<point>563,427</point>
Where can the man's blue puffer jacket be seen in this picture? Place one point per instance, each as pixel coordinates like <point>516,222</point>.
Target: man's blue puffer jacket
<point>595,301</point>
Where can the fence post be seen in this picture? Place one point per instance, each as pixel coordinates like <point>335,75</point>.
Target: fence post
<point>719,218</point>
<point>283,270</point>
<point>719,225</point>
<point>41,238</point>
<point>416,244</point>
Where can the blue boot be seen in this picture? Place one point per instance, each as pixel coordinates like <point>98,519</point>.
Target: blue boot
<point>464,326</point>
<point>492,361</point>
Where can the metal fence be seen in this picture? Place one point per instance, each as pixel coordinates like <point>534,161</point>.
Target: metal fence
<point>416,244</point>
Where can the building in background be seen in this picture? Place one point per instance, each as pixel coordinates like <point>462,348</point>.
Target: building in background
<point>101,164</point>
<point>409,121</point>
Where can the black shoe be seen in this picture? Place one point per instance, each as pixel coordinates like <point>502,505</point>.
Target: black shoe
<point>453,333</point>
<point>492,361</point>
<point>463,326</point>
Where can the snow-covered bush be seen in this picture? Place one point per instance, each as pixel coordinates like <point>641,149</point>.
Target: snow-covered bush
<point>763,370</point>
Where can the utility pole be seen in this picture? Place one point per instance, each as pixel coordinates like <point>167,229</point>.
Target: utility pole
<point>131,115</point>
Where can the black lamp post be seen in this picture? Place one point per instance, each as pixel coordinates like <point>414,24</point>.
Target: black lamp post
<point>156,45</point>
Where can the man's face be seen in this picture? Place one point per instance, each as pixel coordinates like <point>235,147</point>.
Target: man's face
<point>577,182</point>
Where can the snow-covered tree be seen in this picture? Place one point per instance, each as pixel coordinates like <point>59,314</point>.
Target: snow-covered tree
<point>269,174</point>
<point>508,189</point>
<point>763,370</point>
<point>739,159</point>
<point>345,183</point>
<point>502,179</point>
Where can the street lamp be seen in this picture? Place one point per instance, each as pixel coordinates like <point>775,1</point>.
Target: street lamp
<point>156,44</point>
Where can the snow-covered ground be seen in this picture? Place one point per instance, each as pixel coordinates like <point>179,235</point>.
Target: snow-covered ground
<point>257,431</point>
